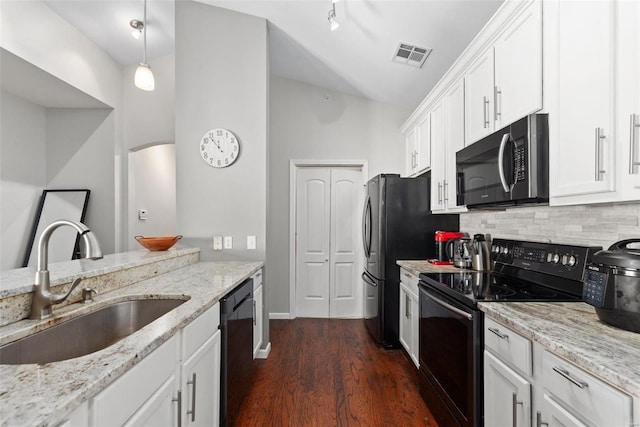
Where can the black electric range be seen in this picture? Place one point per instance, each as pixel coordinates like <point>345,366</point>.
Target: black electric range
<point>451,325</point>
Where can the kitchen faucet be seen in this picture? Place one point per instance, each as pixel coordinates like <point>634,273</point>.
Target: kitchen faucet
<point>43,299</point>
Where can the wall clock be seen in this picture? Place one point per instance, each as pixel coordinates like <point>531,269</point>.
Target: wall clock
<point>219,148</point>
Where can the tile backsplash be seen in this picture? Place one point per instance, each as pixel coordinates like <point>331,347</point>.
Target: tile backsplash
<point>599,225</point>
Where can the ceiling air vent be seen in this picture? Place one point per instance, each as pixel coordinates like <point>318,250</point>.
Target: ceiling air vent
<point>411,55</point>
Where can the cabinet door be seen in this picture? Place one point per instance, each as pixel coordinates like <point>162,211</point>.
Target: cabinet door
<point>200,375</point>
<point>438,147</point>
<point>479,98</point>
<point>405,320</point>
<point>581,134</point>
<point>160,410</point>
<point>507,396</point>
<point>554,415</point>
<point>415,334</point>
<point>518,68</point>
<point>454,137</point>
<point>628,96</point>
<point>423,147</point>
<point>410,149</point>
<point>257,320</point>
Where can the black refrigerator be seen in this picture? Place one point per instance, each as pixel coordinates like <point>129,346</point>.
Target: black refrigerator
<point>397,224</point>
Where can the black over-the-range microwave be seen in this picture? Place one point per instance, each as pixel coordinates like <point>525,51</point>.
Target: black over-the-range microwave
<point>508,167</point>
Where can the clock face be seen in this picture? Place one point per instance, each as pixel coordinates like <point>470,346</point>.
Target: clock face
<point>219,148</point>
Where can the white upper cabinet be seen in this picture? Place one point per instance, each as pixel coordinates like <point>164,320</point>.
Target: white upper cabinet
<point>479,93</point>
<point>438,156</point>
<point>518,68</point>
<point>418,146</point>
<point>581,116</point>
<point>628,101</point>
<point>592,69</point>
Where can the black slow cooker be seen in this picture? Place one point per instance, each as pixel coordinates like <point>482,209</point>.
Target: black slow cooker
<point>612,285</point>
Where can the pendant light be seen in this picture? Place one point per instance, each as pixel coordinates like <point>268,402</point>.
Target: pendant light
<point>144,76</point>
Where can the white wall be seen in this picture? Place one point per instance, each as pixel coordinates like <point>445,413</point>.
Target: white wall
<point>22,174</point>
<point>55,46</point>
<point>221,82</point>
<point>148,119</point>
<point>312,123</point>
<point>152,186</point>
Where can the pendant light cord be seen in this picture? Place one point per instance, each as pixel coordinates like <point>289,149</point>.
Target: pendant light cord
<point>144,28</point>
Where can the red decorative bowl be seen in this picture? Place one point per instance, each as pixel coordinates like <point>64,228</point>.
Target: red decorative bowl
<point>158,243</point>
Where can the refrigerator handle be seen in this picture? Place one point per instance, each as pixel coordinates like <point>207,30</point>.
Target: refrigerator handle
<point>368,280</point>
<point>366,227</point>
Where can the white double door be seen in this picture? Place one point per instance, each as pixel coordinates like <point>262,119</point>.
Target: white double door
<point>328,242</point>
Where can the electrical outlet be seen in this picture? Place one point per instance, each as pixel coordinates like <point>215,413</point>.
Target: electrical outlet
<point>142,214</point>
<point>217,243</point>
<point>228,242</point>
<point>251,242</point>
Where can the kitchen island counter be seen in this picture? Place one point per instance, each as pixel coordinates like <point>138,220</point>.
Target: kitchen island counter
<point>574,332</point>
<point>39,395</point>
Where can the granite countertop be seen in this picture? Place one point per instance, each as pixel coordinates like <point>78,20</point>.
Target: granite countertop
<point>46,394</point>
<point>573,331</point>
<point>417,267</point>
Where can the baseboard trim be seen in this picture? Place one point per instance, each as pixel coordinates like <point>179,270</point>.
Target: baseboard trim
<point>279,316</point>
<point>263,353</point>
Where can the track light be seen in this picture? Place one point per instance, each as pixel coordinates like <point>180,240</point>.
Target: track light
<point>144,76</point>
<point>137,28</point>
<point>333,24</point>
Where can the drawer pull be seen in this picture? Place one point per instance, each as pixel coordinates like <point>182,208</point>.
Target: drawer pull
<point>515,403</point>
<point>192,412</point>
<point>539,422</point>
<point>499,334</point>
<point>179,401</point>
<point>568,376</point>
<point>407,275</point>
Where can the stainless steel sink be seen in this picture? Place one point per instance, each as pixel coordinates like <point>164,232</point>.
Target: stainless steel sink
<point>87,333</point>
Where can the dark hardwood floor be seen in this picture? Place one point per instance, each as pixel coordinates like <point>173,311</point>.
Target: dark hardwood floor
<point>330,373</point>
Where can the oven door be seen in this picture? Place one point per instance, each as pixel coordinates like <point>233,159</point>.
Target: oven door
<point>451,357</point>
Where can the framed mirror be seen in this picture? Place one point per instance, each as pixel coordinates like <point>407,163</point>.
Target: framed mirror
<point>64,243</point>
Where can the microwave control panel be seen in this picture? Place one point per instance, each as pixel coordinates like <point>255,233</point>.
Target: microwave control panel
<point>519,161</point>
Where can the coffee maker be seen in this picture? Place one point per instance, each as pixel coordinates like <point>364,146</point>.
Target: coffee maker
<point>444,248</point>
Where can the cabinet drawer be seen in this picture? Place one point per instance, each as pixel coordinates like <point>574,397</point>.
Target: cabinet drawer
<point>410,280</point>
<point>257,279</point>
<point>508,345</point>
<point>585,396</point>
<point>119,401</point>
<point>198,331</point>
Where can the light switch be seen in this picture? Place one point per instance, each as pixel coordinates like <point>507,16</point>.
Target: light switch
<point>251,242</point>
<point>217,243</point>
<point>142,214</point>
<point>228,242</point>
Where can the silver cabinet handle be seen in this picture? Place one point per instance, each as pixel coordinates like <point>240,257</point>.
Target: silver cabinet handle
<point>179,400</point>
<point>499,334</point>
<point>407,275</point>
<point>192,411</point>
<point>407,307</point>
<point>254,313</point>
<point>632,144</point>
<point>497,93</point>
<point>515,403</point>
<point>567,375</point>
<point>439,192</point>
<point>539,422</point>
<point>444,188</point>
<point>599,171</point>
<point>485,112</point>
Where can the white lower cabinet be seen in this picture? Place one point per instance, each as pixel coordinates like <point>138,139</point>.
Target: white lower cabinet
<point>177,384</point>
<point>258,301</point>
<point>507,395</point>
<point>526,385</point>
<point>409,306</point>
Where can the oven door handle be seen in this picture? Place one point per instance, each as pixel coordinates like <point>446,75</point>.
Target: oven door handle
<point>449,307</point>
<point>503,145</point>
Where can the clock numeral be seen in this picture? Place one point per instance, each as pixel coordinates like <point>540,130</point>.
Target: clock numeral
<point>205,155</point>
<point>226,161</point>
<point>219,133</point>
<point>211,161</point>
<point>211,135</point>
<point>233,140</point>
<point>202,147</point>
<point>235,148</point>
<point>219,163</point>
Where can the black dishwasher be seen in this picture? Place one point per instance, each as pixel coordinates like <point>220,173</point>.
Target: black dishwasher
<point>236,324</point>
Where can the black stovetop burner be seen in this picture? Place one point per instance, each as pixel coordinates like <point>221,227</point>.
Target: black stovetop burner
<point>488,286</point>
<point>523,271</point>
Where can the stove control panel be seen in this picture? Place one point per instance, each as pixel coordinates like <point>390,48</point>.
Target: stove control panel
<point>566,261</point>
